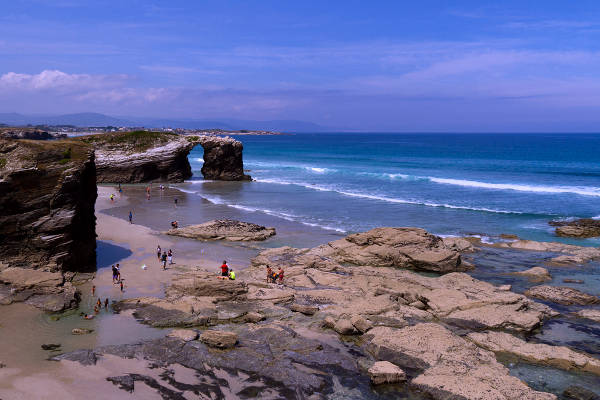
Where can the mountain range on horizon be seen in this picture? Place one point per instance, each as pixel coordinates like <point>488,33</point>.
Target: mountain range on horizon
<point>89,119</point>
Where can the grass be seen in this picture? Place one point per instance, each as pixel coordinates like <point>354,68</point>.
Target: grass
<point>138,140</point>
<point>2,162</point>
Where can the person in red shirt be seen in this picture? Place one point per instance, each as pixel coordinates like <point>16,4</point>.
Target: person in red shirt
<point>280,275</point>
<point>224,269</point>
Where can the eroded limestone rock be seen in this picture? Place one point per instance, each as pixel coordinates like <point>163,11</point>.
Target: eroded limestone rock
<point>219,339</point>
<point>556,356</point>
<point>386,372</point>
<point>535,274</point>
<point>224,229</point>
<point>562,295</point>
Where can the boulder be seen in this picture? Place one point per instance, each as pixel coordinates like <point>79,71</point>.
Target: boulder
<point>344,327</point>
<point>449,366</point>
<point>537,353</point>
<point>461,245</point>
<point>224,229</point>
<point>409,248</point>
<point>579,228</point>
<point>81,331</point>
<point>203,284</point>
<point>386,372</point>
<point>562,295</point>
<point>253,317</point>
<point>570,254</point>
<point>360,323</point>
<point>578,281</point>
<point>219,339</point>
<point>304,309</point>
<point>535,274</point>
<point>186,335</point>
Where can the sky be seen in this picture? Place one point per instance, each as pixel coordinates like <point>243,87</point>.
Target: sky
<point>406,66</point>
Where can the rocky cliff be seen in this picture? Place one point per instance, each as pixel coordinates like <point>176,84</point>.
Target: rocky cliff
<point>47,222</point>
<point>143,156</point>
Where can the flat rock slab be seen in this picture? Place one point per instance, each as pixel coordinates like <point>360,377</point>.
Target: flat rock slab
<point>219,339</point>
<point>452,367</point>
<point>304,309</point>
<point>593,315</point>
<point>224,229</point>
<point>386,372</point>
<point>556,356</point>
<point>184,334</point>
<point>562,295</point>
<point>536,274</point>
<point>81,331</point>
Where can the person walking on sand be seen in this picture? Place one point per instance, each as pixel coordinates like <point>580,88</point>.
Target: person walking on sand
<point>112,198</point>
<point>225,269</point>
<point>158,251</point>
<point>170,256</point>
<point>130,217</point>
<point>175,201</point>
<point>121,286</point>
<point>106,303</point>
<point>164,260</point>
<point>99,303</point>
<point>93,290</point>
<point>118,268</point>
<point>115,275</point>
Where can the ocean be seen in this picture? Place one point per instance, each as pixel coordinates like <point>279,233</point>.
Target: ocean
<point>449,184</point>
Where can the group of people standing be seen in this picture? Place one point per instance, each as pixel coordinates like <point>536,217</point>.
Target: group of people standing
<point>274,277</point>
<point>116,275</point>
<point>164,256</point>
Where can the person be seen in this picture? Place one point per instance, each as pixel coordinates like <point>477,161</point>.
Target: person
<point>224,269</point>
<point>88,316</point>
<point>115,275</point>
<point>274,277</point>
<point>175,201</point>
<point>164,260</point>
<point>269,273</point>
<point>99,303</point>
<point>118,268</point>
<point>231,275</point>
<point>280,275</point>
<point>93,290</point>
<point>106,303</point>
<point>174,224</point>
<point>121,286</point>
<point>130,217</point>
<point>170,256</point>
<point>158,251</point>
<point>112,198</point>
<point>96,311</point>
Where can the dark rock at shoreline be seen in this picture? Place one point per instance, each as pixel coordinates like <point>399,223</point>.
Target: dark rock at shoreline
<point>143,156</point>
<point>579,228</point>
<point>562,295</point>
<point>28,133</point>
<point>269,361</point>
<point>224,229</point>
<point>47,221</point>
<point>578,393</point>
<point>579,281</point>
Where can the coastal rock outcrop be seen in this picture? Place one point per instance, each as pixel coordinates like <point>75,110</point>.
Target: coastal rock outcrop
<point>224,229</point>
<point>450,366</point>
<point>386,372</point>
<point>593,315</point>
<point>562,295</point>
<point>535,274</point>
<point>579,228</point>
<point>47,221</point>
<point>569,254</point>
<point>538,353</point>
<point>143,156</point>
<point>409,248</point>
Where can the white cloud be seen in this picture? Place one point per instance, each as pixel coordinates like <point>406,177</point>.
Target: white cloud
<point>54,79</point>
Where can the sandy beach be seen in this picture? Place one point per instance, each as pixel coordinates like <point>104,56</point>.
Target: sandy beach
<point>28,373</point>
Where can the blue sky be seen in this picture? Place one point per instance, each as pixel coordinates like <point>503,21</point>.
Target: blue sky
<point>380,65</point>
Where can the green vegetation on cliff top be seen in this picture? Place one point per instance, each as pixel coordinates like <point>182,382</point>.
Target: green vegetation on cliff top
<point>43,154</point>
<point>134,140</point>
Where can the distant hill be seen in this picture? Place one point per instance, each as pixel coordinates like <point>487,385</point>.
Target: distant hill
<point>97,119</point>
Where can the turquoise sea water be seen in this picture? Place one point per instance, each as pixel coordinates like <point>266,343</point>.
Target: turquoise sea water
<point>450,184</point>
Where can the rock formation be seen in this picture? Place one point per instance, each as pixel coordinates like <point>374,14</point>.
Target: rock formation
<point>579,228</point>
<point>450,366</point>
<point>47,221</point>
<point>28,133</point>
<point>562,295</point>
<point>537,353</point>
<point>142,156</point>
<point>535,274</point>
<point>224,229</point>
<point>410,248</point>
